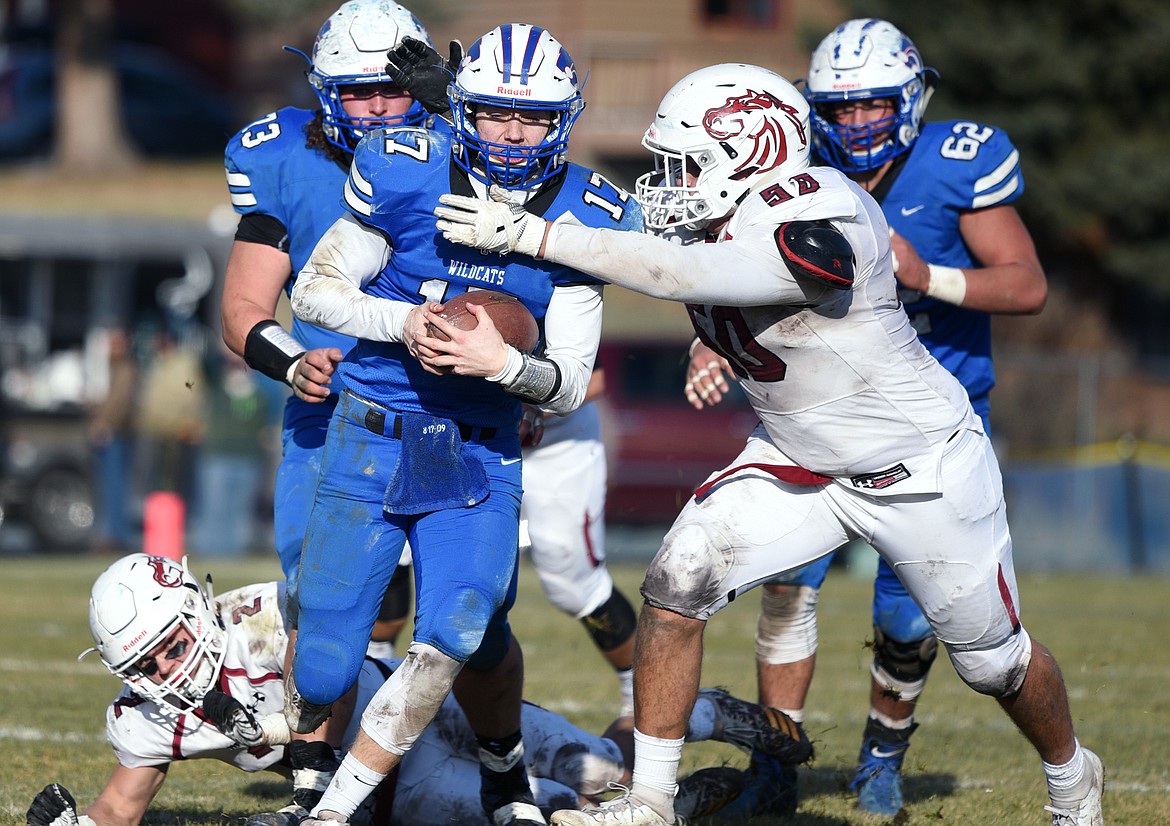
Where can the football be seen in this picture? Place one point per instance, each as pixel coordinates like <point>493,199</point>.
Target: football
<point>515,323</point>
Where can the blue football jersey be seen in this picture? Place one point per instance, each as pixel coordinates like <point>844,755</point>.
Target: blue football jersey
<point>954,166</point>
<point>394,185</point>
<point>271,172</point>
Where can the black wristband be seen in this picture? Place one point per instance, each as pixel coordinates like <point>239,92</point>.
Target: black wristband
<point>271,350</point>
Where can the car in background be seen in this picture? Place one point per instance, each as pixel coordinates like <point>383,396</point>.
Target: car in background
<point>659,447</point>
<point>63,280</point>
<point>168,110</point>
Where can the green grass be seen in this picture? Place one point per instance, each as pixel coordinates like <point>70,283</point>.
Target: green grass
<point>967,765</point>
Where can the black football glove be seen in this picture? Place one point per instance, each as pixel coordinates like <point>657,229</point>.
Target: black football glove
<point>53,806</point>
<point>228,715</point>
<point>418,69</point>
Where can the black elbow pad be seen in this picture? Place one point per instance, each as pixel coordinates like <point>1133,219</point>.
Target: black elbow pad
<point>816,249</point>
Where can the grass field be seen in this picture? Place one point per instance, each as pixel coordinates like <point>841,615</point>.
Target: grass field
<point>967,765</point>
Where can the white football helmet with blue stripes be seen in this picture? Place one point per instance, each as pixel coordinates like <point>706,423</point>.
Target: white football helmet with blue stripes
<point>865,59</point>
<point>515,66</point>
<point>350,50</point>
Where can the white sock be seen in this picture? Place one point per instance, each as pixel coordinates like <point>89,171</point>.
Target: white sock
<point>1065,778</point>
<point>890,722</point>
<point>701,726</point>
<point>352,784</point>
<point>656,763</point>
<point>626,688</point>
<point>795,714</point>
<point>380,649</point>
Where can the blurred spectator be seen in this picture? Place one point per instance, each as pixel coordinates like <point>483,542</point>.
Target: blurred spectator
<point>111,433</point>
<point>234,457</point>
<point>171,418</point>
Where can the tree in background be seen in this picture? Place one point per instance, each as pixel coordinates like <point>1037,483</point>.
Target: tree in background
<point>1081,88</point>
<point>90,136</point>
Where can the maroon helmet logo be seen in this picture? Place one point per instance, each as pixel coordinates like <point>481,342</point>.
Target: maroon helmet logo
<point>759,112</point>
<point>164,575</point>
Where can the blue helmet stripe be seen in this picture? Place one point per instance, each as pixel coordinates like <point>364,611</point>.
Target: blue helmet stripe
<point>530,50</point>
<point>506,44</point>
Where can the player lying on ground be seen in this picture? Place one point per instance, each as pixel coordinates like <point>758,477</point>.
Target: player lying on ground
<point>190,661</point>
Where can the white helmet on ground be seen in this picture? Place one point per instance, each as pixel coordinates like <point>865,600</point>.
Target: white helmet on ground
<point>731,126</point>
<point>861,60</point>
<point>351,50</point>
<point>515,66</point>
<point>134,606</point>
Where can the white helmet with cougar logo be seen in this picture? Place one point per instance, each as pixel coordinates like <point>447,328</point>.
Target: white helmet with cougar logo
<point>350,50</point>
<point>866,59</point>
<point>729,127</point>
<point>134,606</point>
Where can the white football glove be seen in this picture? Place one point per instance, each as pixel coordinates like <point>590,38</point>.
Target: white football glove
<point>54,806</point>
<point>496,225</point>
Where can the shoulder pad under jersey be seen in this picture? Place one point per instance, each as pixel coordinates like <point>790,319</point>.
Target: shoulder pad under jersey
<point>816,249</point>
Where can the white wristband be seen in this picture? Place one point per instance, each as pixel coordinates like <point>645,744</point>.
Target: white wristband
<point>947,284</point>
<point>511,369</point>
<point>275,729</point>
<point>292,369</point>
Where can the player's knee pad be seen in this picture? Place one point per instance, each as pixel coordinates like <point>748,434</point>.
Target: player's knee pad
<point>325,666</point>
<point>687,574</point>
<point>998,671</point>
<point>787,628</point>
<point>459,624</point>
<point>575,590</point>
<point>405,705</point>
<point>902,667</point>
<point>613,624</point>
<point>396,600</point>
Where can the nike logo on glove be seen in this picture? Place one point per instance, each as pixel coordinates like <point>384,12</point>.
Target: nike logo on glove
<point>906,213</point>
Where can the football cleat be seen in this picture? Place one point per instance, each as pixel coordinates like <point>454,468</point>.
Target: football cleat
<point>878,779</point>
<point>313,766</point>
<point>324,820</point>
<point>708,791</point>
<point>753,727</point>
<point>1087,810</point>
<point>770,790</point>
<point>291,815</point>
<point>302,716</point>
<point>626,810</point>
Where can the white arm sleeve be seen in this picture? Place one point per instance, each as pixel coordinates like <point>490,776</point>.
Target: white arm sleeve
<point>328,290</point>
<point>744,272</point>
<point>572,330</point>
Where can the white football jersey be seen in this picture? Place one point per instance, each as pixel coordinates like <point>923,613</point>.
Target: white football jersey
<point>838,377</point>
<point>857,394</point>
<point>143,733</point>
